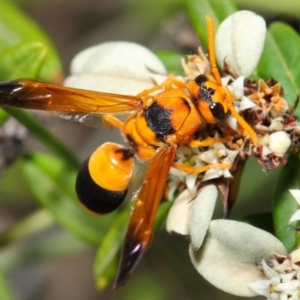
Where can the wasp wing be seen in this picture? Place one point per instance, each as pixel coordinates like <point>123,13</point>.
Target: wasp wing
<point>139,230</point>
<point>64,100</point>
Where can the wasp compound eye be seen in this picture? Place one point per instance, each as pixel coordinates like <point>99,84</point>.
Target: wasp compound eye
<point>218,111</point>
<point>200,79</point>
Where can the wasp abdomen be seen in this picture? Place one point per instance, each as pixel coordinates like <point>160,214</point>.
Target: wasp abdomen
<point>103,179</point>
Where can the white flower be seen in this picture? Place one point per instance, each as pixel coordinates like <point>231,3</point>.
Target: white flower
<point>280,284</point>
<point>296,215</point>
<point>228,261</point>
<point>239,42</point>
<point>218,153</point>
<point>191,213</point>
<point>116,67</point>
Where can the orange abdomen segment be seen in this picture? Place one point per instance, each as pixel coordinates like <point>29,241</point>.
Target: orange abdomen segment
<point>103,179</point>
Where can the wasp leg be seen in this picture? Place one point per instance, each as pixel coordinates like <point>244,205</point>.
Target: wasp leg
<point>166,86</point>
<point>110,121</point>
<point>208,141</point>
<point>195,171</point>
<point>242,122</point>
<point>173,81</point>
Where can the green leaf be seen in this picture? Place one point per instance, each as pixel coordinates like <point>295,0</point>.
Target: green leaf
<point>171,60</point>
<point>284,205</point>
<point>106,263</point>
<point>54,244</point>
<point>162,213</point>
<point>3,116</point>
<point>280,60</point>
<point>22,61</point>
<point>53,184</point>
<point>16,28</point>
<point>44,135</point>
<point>26,227</point>
<point>5,293</point>
<point>198,9</point>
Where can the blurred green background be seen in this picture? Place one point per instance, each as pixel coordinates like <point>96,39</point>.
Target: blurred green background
<point>42,260</point>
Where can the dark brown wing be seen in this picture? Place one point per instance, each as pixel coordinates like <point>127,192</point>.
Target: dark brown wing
<point>59,99</point>
<point>139,230</point>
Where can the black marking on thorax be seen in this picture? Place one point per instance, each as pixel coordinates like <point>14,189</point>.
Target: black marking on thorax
<point>206,94</point>
<point>158,119</point>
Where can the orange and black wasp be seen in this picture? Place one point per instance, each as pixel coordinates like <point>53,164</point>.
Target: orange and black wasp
<point>165,117</point>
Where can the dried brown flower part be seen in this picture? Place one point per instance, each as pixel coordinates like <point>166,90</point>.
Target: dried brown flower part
<point>271,118</point>
<point>269,98</point>
<point>195,65</point>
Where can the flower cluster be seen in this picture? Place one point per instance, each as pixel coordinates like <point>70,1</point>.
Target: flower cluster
<point>282,277</point>
<point>217,247</point>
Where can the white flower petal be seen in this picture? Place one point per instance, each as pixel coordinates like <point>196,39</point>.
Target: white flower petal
<point>225,255</point>
<point>118,67</point>
<point>178,217</point>
<point>288,287</point>
<point>209,156</point>
<point>190,181</point>
<point>295,216</point>
<point>239,42</point>
<point>296,195</point>
<point>274,296</point>
<point>295,259</point>
<point>246,103</point>
<point>269,272</point>
<point>283,296</point>
<point>238,86</point>
<point>232,122</point>
<point>260,287</point>
<point>201,214</point>
<point>213,173</point>
<point>287,277</point>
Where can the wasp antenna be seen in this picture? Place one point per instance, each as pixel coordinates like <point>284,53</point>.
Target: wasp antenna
<point>211,49</point>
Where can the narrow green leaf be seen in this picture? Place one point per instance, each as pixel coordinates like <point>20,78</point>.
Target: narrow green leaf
<point>162,213</point>
<point>54,244</point>
<point>198,9</point>
<point>5,293</point>
<point>171,60</point>
<point>22,61</point>
<point>26,227</point>
<point>53,183</point>
<point>44,135</point>
<point>284,204</point>
<point>106,263</point>
<point>4,116</point>
<point>16,28</point>
<point>280,60</point>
